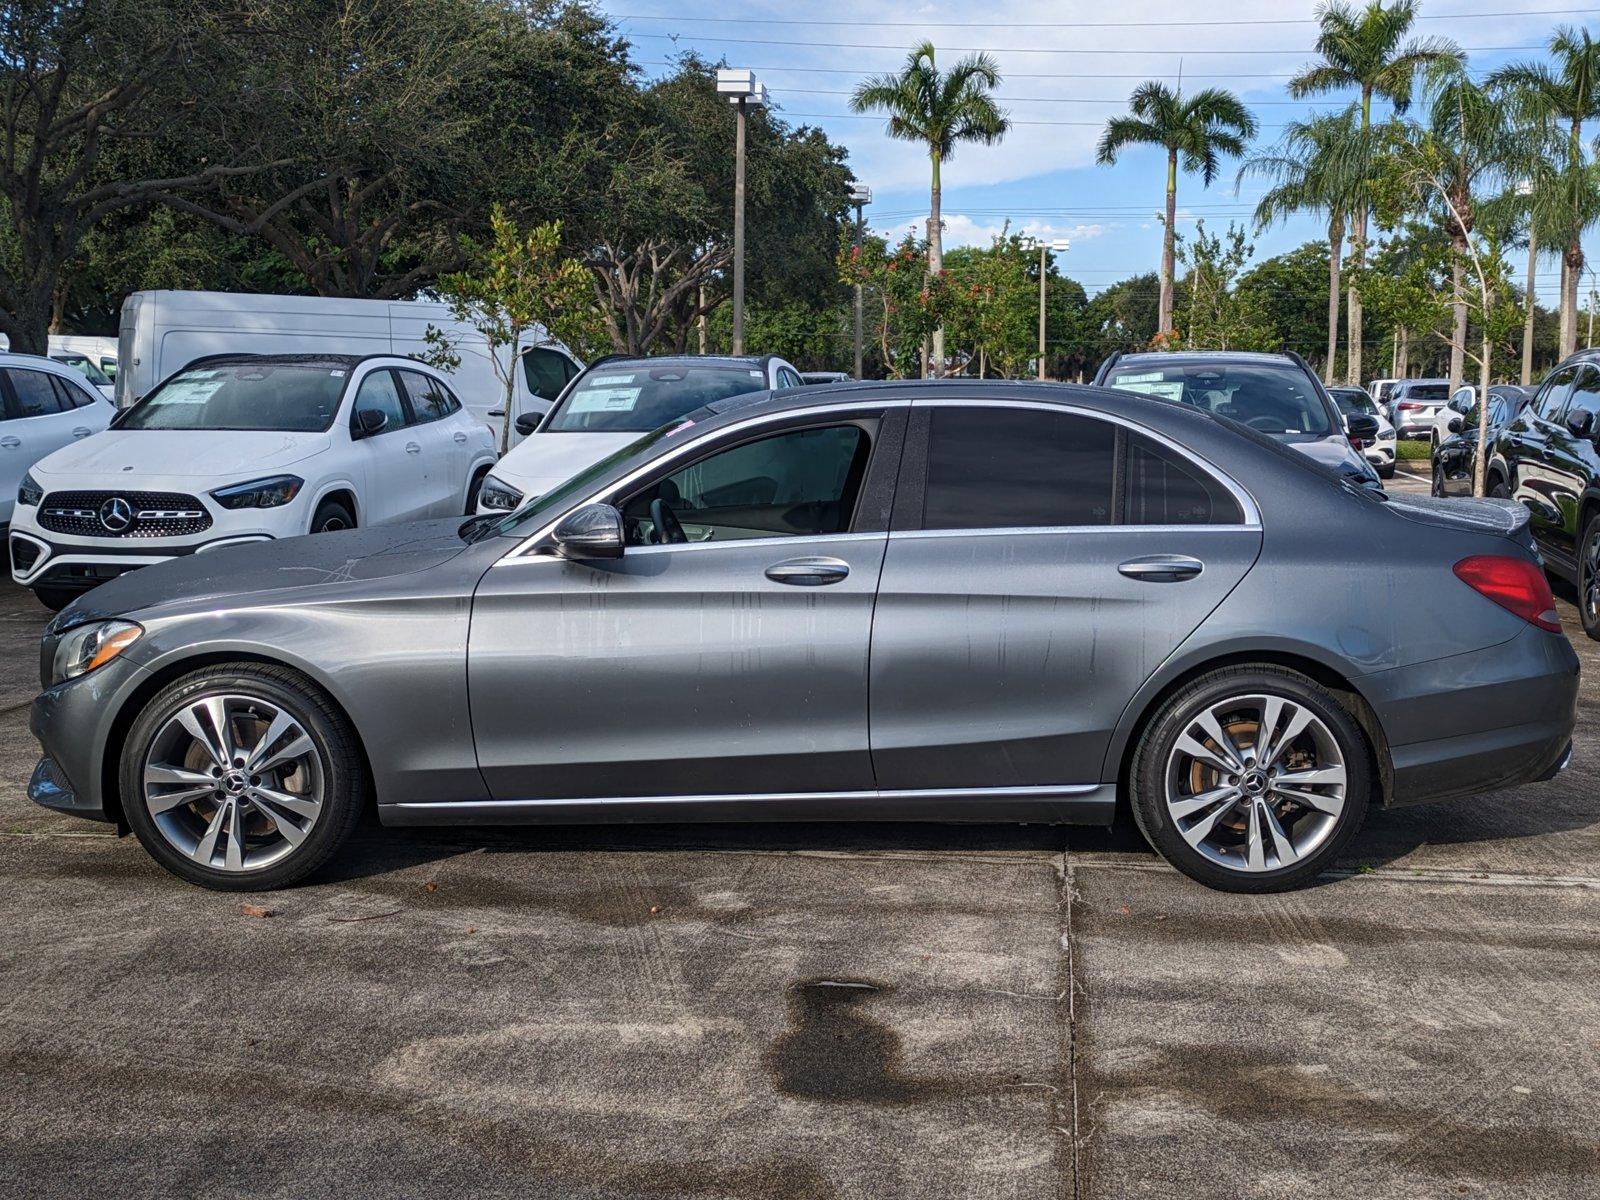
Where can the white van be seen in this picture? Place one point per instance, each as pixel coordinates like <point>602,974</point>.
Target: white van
<point>95,358</point>
<point>162,332</point>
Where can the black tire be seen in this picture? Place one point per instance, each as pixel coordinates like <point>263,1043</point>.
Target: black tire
<point>331,516</point>
<point>1437,489</point>
<point>1497,489</point>
<point>474,488</point>
<point>1386,472</point>
<point>343,771</point>
<point>55,598</point>
<point>1589,576</point>
<point>1159,739</point>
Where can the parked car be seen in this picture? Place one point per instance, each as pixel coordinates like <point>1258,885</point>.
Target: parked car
<point>43,407</point>
<point>1455,458</point>
<point>949,601</point>
<point>245,449</point>
<point>1546,458</point>
<point>165,331</point>
<point>1379,390</point>
<point>813,377</point>
<point>101,351</point>
<point>1412,404</point>
<point>1379,450</point>
<point>1465,397</point>
<point>609,406</point>
<point>85,366</point>
<point>1274,394</point>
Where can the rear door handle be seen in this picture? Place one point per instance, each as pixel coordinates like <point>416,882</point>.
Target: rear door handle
<point>809,572</point>
<point>10,443</point>
<point>1162,568</point>
<point>460,437</point>
<point>413,448</point>
<point>81,432</point>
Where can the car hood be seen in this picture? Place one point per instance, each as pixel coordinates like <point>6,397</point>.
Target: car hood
<point>126,457</point>
<point>261,571</point>
<point>543,460</point>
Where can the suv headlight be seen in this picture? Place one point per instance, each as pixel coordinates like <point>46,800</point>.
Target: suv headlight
<point>260,493</point>
<point>29,492</point>
<point>85,647</point>
<point>496,495</point>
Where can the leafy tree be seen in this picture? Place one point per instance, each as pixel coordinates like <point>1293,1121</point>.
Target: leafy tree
<point>1287,295</point>
<point>904,304</point>
<point>940,110</point>
<point>1198,131</point>
<point>523,283</point>
<point>994,305</point>
<point>1366,49</point>
<point>1221,317</point>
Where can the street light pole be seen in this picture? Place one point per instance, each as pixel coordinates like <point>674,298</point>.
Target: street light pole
<point>745,91</point>
<point>1525,188</point>
<point>1059,244</point>
<point>860,196</point>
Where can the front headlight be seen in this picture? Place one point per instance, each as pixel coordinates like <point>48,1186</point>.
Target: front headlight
<point>29,492</point>
<point>496,495</point>
<point>260,493</point>
<point>86,647</point>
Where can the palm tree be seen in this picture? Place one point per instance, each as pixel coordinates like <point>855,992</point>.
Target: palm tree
<point>940,110</point>
<point>1318,166</point>
<point>1199,129</point>
<point>1568,94</point>
<point>1365,49</point>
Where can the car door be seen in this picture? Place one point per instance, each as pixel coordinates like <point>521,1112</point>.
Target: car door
<point>1570,460</point>
<point>42,414</point>
<point>390,460</point>
<point>445,450</point>
<point>730,664</point>
<point>1526,450</point>
<point>1042,563</point>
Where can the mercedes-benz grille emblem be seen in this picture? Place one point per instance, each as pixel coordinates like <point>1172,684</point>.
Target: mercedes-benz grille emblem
<point>116,514</point>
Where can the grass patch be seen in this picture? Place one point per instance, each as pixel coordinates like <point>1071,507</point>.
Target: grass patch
<point>1412,450</point>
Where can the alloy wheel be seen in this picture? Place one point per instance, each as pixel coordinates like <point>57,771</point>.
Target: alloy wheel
<point>234,782</point>
<point>1591,577</point>
<point>1255,783</point>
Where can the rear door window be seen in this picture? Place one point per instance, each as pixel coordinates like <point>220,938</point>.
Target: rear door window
<point>34,393</point>
<point>430,399</point>
<point>1163,488</point>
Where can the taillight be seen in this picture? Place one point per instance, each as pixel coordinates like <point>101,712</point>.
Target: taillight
<point>1515,584</point>
<point>1408,405</point>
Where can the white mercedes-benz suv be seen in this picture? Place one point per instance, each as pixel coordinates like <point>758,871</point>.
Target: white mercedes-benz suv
<point>247,448</point>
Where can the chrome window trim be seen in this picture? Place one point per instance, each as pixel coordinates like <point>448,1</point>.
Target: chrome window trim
<point>798,539</point>
<point>523,551</point>
<point>1041,530</point>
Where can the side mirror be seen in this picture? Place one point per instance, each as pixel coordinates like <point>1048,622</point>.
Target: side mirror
<point>370,421</point>
<point>1362,425</point>
<point>1454,425</point>
<point>1581,422</point>
<point>593,531</point>
<point>528,422</point>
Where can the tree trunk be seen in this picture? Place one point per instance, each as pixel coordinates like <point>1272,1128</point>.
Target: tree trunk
<point>1335,249</point>
<point>1527,320</point>
<point>1458,306</point>
<point>27,322</point>
<point>936,258</point>
<point>1571,274</point>
<point>1169,258</point>
<point>1358,260</point>
<point>1405,353</point>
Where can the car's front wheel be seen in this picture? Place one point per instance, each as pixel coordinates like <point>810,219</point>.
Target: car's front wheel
<point>1589,576</point>
<point>332,515</point>
<point>241,777</point>
<point>1251,779</point>
<point>1438,478</point>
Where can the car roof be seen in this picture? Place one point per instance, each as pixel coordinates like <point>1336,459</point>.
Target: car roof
<point>684,360</point>
<point>1144,357</point>
<point>307,360</point>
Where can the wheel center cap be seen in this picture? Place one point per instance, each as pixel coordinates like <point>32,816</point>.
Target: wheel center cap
<point>236,783</point>
<point>1254,783</point>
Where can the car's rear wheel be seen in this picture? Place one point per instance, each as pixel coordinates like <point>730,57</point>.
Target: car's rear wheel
<point>332,515</point>
<point>1497,488</point>
<point>1589,576</point>
<point>241,777</point>
<point>1251,779</point>
<point>55,599</point>
<point>1438,478</point>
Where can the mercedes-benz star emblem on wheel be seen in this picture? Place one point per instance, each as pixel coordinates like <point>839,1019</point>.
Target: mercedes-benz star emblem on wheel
<point>116,514</point>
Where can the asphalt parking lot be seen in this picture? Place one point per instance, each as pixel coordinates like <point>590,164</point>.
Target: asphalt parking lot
<point>809,1011</point>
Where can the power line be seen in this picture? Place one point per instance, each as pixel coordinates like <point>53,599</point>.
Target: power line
<point>1185,51</point>
<point>1009,74</point>
<point>873,117</point>
<point>1117,100</point>
<point>1429,16</point>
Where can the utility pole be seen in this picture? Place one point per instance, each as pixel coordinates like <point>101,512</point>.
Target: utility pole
<point>1060,245</point>
<point>860,196</point>
<point>745,91</point>
<point>1525,188</point>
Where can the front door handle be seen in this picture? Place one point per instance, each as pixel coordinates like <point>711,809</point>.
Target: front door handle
<point>81,432</point>
<point>1162,568</point>
<point>809,572</point>
<point>413,448</point>
<point>460,437</point>
<point>10,443</point>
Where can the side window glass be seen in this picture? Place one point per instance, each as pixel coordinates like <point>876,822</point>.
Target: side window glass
<point>69,396</point>
<point>1166,489</point>
<point>1554,395</point>
<point>35,393</point>
<point>545,371</point>
<point>430,399</point>
<point>379,393</point>
<point>1586,393</point>
<point>996,468</point>
<point>796,484</point>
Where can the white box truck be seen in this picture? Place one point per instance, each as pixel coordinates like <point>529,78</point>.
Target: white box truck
<point>163,331</point>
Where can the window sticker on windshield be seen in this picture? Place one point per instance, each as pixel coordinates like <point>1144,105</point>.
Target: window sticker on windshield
<point>1125,380</point>
<point>603,399</point>
<point>1161,391</point>
<point>337,374</point>
<point>195,389</point>
<point>610,381</point>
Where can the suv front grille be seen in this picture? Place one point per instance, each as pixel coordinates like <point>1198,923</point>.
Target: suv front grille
<point>123,514</point>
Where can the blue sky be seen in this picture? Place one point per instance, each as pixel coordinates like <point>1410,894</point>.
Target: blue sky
<point>1068,66</point>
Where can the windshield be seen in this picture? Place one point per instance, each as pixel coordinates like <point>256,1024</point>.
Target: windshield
<point>1426,391</point>
<point>1352,400</point>
<point>291,397</point>
<point>639,398</point>
<point>1276,400</point>
<point>83,367</point>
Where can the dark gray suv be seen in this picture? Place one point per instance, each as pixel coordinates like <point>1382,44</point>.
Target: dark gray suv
<point>952,602</point>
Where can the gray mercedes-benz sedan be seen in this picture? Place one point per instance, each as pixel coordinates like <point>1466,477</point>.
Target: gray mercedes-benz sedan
<point>950,601</point>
